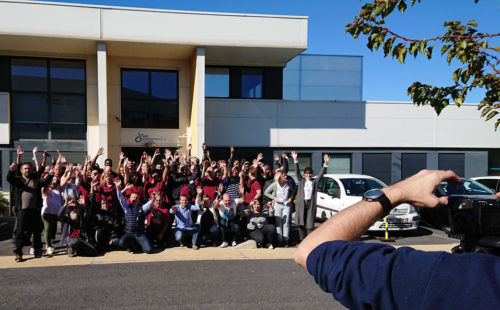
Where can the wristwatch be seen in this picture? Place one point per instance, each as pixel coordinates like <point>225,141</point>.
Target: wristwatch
<point>378,195</point>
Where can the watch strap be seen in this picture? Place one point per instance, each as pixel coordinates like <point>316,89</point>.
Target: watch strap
<point>386,205</point>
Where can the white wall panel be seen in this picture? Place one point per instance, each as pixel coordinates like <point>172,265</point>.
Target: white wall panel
<point>277,123</point>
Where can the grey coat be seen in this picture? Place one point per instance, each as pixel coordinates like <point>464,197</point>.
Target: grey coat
<point>300,209</point>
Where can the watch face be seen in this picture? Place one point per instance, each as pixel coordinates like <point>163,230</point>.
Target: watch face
<point>373,194</point>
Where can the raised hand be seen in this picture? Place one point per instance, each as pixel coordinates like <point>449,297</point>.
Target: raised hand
<point>118,182</point>
<point>189,147</point>
<point>260,156</point>
<point>203,146</point>
<point>157,152</point>
<point>100,151</point>
<point>326,158</point>
<point>13,167</point>
<point>122,156</point>
<point>19,150</point>
<point>232,149</point>
<point>294,156</point>
<point>35,150</point>
<point>276,157</point>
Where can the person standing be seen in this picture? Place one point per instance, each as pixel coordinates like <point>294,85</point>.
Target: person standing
<point>305,207</point>
<point>281,193</point>
<point>29,204</point>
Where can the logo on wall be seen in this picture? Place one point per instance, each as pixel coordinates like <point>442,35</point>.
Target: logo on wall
<point>144,138</point>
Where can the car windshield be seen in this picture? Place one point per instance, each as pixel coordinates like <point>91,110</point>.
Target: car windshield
<point>358,186</point>
<point>468,187</point>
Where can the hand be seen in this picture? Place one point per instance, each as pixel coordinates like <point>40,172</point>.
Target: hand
<point>122,156</point>
<point>289,201</point>
<point>276,157</point>
<point>128,186</point>
<point>94,183</point>
<point>270,205</point>
<point>176,156</point>
<point>87,159</point>
<point>203,146</point>
<point>283,155</point>
<point>232,149</point>
<point>276,199</point>
<point>213,164</point>
<point>45,153</point>
<point>260,156</point>
<point>118,182</point>
<point>157,152</point>
<point>35,150</point>
<point>208,153</point>
<point>223,164</point>
<point>326,158</point>
<point>100,151</point>
<point>168,154</point>
<point>189,147</point>
<point>63,159</point>
<point>419,189</point>
<point>13,167</point>
<point>294,156</point>
<point>19,150</point>
<point>199,190</point>
<point>174,208</point>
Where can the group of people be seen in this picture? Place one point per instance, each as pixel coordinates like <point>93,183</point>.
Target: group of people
<point>138,206</point>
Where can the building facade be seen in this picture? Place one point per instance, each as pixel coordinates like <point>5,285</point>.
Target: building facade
<point>128,79</point>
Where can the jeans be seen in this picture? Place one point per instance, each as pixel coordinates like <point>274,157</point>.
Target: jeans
<point>181,235</point>
<point>282,214</point>
<point>142,239</point>
<point>229,228</point>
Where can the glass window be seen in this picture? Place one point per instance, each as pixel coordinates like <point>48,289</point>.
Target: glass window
<point>358,186</point>
<point>321,185</point>
<point>29,74</point>
<point>339,163</point>
<point>217,82</point>
<point>150,99</point>
<point>332,187</point>
<point>304,161</point>
<point>378,165</point>
<point>490,183</point>
<point>67,76</point>
<point>412,163</point>
<point>251,83</point>
<point>450,161</point>
<point>43,110</point>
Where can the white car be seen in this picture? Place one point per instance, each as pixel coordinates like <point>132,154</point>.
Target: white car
<point>492,182</point>
<point>339,191</point>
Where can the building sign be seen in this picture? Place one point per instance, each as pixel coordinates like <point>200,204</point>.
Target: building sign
<point>143,137</point>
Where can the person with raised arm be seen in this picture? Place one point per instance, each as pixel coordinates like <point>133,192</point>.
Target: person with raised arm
<point>305,205</point>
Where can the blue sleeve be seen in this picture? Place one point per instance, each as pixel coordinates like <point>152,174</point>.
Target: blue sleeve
<point>358,274</point>
<point>147,206</point>
<point>122,200</point>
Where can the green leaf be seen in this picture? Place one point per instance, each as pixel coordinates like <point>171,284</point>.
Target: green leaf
<point>491,115</point>
<point>421,46</point>
<point>402,6</point>
<point>449,57</point>
<point>463,44</point>
<point>459,101</point>
<point>377,9</point>
<point>485,111</point>
<point>388,46</point>
<point>429,52</point>
<point>456,75</point>
<point>496,124</point>
<point>472,23</point>
<point>401,54</point>
<point>444,49</point>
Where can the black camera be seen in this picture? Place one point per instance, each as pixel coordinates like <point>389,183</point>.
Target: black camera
<point>476,222</point>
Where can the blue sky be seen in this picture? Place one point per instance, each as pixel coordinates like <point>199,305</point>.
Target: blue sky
<point>383,78</point>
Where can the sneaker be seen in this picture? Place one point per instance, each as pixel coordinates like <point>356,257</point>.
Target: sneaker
<point>50,250</point>
<point>71,252</point>
<point>270,246</point>
<point>19,258</point>
<point>234,243</point>
<point>195,247</point>
<point>181,245</point>
<point>223,245</point>
<point>32,251</point>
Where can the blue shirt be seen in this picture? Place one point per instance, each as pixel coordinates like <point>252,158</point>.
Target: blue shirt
<point>377,276</point>
<point>183,219</point>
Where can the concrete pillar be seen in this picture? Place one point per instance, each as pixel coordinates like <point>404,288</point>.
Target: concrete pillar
<point>102,100</point>
<point>198,102</point>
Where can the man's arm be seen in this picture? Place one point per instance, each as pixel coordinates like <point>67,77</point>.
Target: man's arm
<point>350,223</point>
<point>296,163</point>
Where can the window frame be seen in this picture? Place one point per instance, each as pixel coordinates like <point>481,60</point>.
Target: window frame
<point>49,94</point>
<point>149,98</point>
<point>235,82</point>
